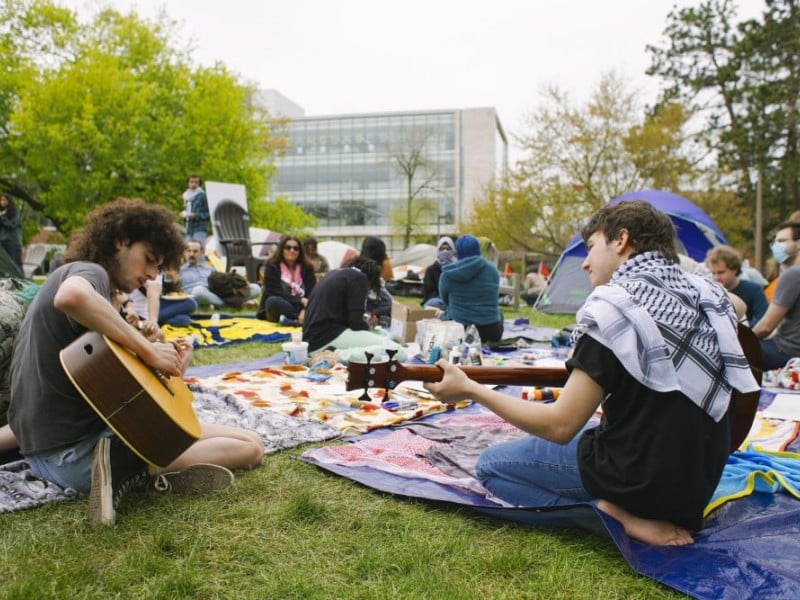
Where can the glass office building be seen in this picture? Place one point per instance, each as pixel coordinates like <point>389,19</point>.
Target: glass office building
<point>356,173</point>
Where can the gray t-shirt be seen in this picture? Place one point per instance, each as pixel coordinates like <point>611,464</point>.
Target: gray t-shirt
<point>787,294</point>
<point>47,413</point>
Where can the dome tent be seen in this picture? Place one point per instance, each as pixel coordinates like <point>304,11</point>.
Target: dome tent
<point>569,286</point>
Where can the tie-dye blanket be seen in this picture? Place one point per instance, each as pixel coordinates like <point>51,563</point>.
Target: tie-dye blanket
<point>319,393</point>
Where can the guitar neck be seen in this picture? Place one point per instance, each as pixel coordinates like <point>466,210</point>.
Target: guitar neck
<point>492,375</point>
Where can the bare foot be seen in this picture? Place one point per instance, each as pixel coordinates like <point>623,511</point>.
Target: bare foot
<point>649,531</point>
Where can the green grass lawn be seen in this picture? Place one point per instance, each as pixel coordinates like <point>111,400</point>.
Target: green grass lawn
<point>289,530</point>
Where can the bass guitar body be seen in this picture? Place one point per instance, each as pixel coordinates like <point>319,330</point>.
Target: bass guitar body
<point>151,413</point>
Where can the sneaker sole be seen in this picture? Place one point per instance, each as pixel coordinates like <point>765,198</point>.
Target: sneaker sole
<point>101,503</point>
<point>199,479</point>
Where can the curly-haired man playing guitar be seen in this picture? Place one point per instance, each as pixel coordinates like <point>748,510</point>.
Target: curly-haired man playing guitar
<point>124,244</point>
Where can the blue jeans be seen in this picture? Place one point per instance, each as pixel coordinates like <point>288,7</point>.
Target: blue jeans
<point>176,312</point>
<point>70,467</point>
<point>533,472</point>
<point>435,302</point>
<point>773,357</point>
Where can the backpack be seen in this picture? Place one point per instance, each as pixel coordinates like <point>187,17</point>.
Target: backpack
<point>231,287</point>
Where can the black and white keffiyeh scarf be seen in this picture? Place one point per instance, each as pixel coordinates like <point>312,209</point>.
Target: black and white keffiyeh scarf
<point>671,330</point>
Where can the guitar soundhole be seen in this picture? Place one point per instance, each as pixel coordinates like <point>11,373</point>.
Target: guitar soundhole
<point>88,349</point>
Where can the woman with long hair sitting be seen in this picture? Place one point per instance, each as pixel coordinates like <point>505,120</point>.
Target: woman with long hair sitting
<point>288,281</point>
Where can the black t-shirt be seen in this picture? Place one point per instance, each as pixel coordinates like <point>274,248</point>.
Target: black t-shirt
<point>658,455</point>
<point>338,302</point>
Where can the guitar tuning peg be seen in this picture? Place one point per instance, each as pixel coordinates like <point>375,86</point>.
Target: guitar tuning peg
<point>365,396</point>
<point>391,354</point>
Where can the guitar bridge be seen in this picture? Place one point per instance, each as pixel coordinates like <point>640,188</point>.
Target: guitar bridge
<point>163,380</point>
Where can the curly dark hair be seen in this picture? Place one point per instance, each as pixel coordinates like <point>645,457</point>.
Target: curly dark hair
<point>650,230</point>
<point>277,256</point>
<point>368,267</point>
<point>127,220</point>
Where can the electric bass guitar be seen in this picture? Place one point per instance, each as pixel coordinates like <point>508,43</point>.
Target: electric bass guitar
<point>150,412</point>
<point>389,374</point>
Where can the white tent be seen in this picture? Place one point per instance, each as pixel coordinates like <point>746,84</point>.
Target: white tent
<point>414,258</point>
<point>336,253</point>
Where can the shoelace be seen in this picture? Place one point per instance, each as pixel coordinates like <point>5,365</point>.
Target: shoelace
<point>138,480</point>
<point>161,483</point>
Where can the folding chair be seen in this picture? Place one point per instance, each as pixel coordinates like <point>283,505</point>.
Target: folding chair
<point>233,227</point>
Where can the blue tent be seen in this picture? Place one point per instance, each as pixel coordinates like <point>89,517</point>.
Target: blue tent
<point>569,285</point>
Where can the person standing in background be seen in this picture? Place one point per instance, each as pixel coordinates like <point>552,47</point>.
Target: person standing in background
<point>10,230</point>
<point>195,210</point>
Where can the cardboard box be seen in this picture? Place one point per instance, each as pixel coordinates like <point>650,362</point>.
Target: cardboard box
<point>404,320</point>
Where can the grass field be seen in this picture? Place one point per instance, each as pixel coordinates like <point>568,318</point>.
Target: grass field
<point>289,530</point>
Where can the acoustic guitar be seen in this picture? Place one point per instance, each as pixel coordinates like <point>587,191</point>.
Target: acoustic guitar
<point>150,412</point>
<point>389,374</point>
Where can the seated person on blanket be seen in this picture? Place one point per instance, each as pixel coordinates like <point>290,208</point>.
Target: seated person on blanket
<point>779,328</point>
<point>193,278</point>
<point>288,281</point>
<point>379,302</point>
<point>125,243</point>
<point>148,303</point>
<point>337,319</point>
<point>657,348</point>
<point>470,288</point>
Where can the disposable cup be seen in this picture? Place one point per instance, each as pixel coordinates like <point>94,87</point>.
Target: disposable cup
<point>295,353</point>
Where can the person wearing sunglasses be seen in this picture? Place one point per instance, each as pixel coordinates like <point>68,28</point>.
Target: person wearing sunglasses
<point>288,281</point>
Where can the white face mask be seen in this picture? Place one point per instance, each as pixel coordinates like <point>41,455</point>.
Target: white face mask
<point>779,252</point>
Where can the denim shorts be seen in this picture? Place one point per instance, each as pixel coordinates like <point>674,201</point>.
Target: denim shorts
<point>69,467</point>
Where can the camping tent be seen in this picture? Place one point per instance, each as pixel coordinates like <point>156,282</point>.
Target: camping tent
<point>569,285</point>
<point>414,258</point>
<point>336,253</point>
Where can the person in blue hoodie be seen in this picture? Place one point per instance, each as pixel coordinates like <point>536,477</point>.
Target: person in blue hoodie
<point>470,288</point>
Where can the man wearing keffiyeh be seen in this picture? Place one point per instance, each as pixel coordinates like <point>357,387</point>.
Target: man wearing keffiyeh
<point>656,347</point>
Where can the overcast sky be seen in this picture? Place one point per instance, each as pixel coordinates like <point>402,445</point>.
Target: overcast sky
<point>352,56</point>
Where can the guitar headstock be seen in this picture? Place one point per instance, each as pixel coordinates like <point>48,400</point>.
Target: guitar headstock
<point>382,374</point>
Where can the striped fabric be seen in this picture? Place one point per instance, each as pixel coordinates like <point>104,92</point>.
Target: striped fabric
<point>671,330</point>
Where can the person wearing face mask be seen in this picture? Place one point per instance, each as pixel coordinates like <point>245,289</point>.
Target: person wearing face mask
<point>779,328</point>
<point>430,283</point>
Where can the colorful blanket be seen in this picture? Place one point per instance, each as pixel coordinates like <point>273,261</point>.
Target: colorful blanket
<point>229,330</point>
<point>20,489</point>
<point>319,394</point>
<point>746,548</point>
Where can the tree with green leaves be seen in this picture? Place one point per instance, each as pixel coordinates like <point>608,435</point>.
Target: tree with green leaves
<point>112,108</point>
<point>742,80</point>
<point>578,157</point>
<point>283,216</point>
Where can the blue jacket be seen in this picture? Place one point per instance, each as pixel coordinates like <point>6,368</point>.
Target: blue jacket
<point>470,288</point>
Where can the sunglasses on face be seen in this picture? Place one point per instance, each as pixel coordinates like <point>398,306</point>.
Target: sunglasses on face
<point>292,248</point>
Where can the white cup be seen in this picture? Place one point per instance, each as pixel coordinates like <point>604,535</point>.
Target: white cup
<point>295,353</point>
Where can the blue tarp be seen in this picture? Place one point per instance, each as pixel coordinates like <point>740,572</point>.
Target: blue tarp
<point>569,286</point>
